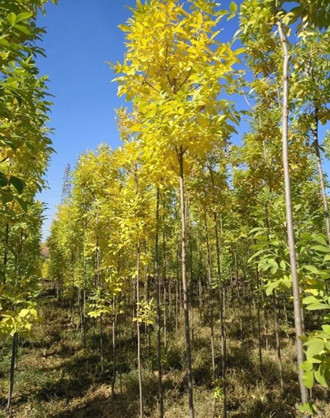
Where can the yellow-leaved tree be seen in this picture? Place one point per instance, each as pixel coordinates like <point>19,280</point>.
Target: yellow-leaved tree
<point>174,71</point>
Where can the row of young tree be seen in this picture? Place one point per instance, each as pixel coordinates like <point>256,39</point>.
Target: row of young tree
<point>24,154</point>
<point>178,219</point>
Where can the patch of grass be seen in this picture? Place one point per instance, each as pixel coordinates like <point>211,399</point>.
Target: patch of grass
<point>56,377</point>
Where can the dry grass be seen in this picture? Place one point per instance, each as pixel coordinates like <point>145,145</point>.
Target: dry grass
<point>57,378</point>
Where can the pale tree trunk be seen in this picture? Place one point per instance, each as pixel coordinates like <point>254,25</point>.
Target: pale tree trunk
<point>159,364</point>
<point>321,176</point>
<point>138,328</point>
<point>83,317</point>
<point>15,336</point>
<point>274,300</point>
<point>191,279</point>
<point>259,323</point>
<point>12,369</point>
<point>209,276</point>
<point>289,220</point>
<point>101,345</point>
<point>5,255</point>
<point>221,307</point>
<point>222,324</point>
<point>184,285</point>
<point>199,276</point>
<point>98,284</point>
<point>114,347</point>
<point>278,343</point>
<point>164,289</point>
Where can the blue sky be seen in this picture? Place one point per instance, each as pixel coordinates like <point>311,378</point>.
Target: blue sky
<point>82,35</point>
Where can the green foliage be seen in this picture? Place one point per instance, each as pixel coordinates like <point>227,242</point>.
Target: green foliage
<point>25,150</point>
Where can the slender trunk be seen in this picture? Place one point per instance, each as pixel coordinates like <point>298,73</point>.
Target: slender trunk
<point>83,313</point>
<point>191,283</point>
<point>114,348</point>
<point>147,326</point>
<point>159,363</point>
<point>176,305</point>
<point>184,286</point>
<point>72,290</point>
<point>12,369</point>
<point>274,299</point>
<point>164,290</point>
<point>101,345</point>
<point>169,292</point>
<point>286,319</point>
<point>138,329</point>
<point>264,302</point>
<point>321,176</point>
<point>84,318</point>
<point>209,276</point>
<point>222,325</point>
<point>79,303</point>
<point>121,336</point>
<point>209,266</point>
<point>199,275</point>
<point>289,220</point>
<point>238,294</point>
<point>259,325</point>
<point>5,255</point>
<point>277,335</point>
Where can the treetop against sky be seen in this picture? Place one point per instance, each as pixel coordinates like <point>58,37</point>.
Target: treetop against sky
<point>82,37</point>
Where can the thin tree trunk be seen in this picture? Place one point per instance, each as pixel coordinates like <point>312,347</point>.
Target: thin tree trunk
<point>5,255</point>
<point>199,275</point>
<point>211,298</point>
<point>164,290</point>
<point>238,294</point>
<point>83,313</point>
<point>79,303</point>
<point>159,363</point>
<point>169,292</point>
<point>101,345</point>
<point>209,266</point>
<point>176,305</point>
<point>138,329</point>
<point>184,285</point>
<point>221,307</point>
<point>321,176</point>
<point>264,302</point>
<point>191,282</point>
<point>222,325</point>
<point>289,220</point>
<point>259,325</point>
<point>277,335</point>
<point>12,369</point>
<point>84,318</point>
<point>114,348</point>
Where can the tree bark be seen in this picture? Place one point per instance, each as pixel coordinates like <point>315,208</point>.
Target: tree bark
<point>321,176</point>
<point>159,363</point>
<point>222,325</point>
<point>138,329</point>
<point>289,220</point>
<point>184,284</point>
<point>12,369</point>
<point>209,267</point>
<point>259,324</point>
<point>114,347</point>
<point>5,255</point>
<point>277,336</point>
